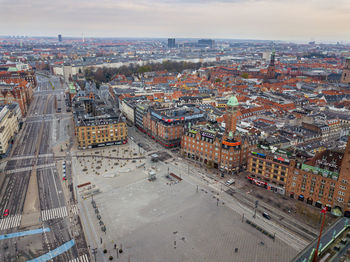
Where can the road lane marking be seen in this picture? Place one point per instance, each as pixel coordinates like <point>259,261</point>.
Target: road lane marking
<point>10,222</point>
<point>54,253</point>
<point>83,258</point>
<point>28,168</point>
<point>54,213</point>
<point>25,233</point>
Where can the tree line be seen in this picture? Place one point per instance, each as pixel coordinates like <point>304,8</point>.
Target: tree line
<point>104,75</point>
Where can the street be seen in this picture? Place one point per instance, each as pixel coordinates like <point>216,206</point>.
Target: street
<point>33,156</point>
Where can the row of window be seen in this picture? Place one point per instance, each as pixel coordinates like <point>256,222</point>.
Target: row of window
<point>272,170</point>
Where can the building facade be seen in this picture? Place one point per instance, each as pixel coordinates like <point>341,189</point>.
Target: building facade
<point>321,181</point>
<point>270,170</point>
<point>166,126</point>
<point>16,91</point>
<point>171,43</point>
<point>92,133</point>
<point>218,147</point>
<point>215,149</point>
<point>8,128</point>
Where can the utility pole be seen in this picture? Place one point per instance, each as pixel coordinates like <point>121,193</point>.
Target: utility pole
<point>94,251</point>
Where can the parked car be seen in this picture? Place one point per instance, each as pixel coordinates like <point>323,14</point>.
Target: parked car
<point>230,182</point>
<point>6,213</point>
<point>266,215</point>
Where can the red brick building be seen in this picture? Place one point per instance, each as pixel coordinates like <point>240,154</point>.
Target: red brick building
<point>217,147</point>
<point>321,181</point>
<point>166,126</point>
<point>18,91</point>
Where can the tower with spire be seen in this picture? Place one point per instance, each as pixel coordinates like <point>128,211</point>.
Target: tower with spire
<point>345,77</point>
<point>231,115</point>
<point>271,70</point>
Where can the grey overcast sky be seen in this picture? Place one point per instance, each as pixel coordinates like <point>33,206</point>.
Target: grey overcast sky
<point>296,20</point>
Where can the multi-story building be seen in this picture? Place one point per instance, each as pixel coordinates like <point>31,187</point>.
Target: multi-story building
<point>171,43</point>
<point>127,107</point>
<point>96,127</point>
<point>218,147</point>
<point>140,111</point>
<point>206,43</point>
<point>97,132</point>
<point>321,181</point>
<point>16,91</point>
<point>270,169</point>
<point>166,125</point>
<point>27,75</point>
<point>8,127</point>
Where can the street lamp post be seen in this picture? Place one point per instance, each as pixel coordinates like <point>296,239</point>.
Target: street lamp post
<point>323,211</point>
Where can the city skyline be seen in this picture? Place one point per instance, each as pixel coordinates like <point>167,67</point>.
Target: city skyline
<point>310,20</point>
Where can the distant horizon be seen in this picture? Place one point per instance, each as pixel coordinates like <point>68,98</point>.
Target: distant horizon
<point>72,37</point>
<point>298,21</point>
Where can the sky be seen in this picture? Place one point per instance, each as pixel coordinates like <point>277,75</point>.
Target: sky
<point>288,20</point>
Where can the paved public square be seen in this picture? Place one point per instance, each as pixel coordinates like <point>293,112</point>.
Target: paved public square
<point>166,220</point>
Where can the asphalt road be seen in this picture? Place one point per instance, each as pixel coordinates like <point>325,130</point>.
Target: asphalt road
<point>56,210</point>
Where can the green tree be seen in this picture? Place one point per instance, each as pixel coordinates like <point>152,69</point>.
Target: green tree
<point>245,75</point>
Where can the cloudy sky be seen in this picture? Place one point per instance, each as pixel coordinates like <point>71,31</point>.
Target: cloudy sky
<point>297,20</point>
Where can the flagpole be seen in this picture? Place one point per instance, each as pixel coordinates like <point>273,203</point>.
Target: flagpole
<point>323,211</point>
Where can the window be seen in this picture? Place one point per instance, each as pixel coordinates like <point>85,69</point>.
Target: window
<point>294,178</point>
<point>293,184</point>
<point>331,192</point>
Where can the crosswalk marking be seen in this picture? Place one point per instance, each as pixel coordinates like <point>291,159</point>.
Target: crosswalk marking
<point>10,222</point>
<point>28,168</point>
<point>75,209</point>
<point>54,213</point>
<point>83,258</point>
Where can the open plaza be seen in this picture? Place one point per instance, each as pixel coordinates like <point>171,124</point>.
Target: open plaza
<point>170,218</point>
